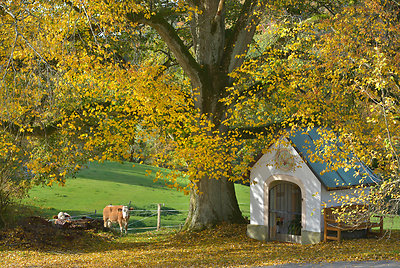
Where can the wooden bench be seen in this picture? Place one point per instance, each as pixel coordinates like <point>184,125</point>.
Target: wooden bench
<point>348,218</point>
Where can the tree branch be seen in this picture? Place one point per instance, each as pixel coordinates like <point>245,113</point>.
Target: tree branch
<point>36,131</point>
<point>252,132</point>
<point>248,133</point>
<point>220,8</point>
<point>243,31</point>
<point>31,126</point>
<point>69,3</point>
<point>174,43</point>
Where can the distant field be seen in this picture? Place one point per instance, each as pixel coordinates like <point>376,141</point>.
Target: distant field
<point>391,223</point>
<point>115,183</point>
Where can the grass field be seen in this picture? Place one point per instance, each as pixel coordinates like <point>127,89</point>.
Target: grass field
<point>113,183</point>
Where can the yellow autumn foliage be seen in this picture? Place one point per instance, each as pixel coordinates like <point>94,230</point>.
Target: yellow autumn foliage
<point>68,96</point>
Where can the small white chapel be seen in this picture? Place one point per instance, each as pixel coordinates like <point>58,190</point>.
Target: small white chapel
<point>288,190</point>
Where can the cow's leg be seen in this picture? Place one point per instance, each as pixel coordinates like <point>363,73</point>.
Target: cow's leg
<point>109,223</point>
<point>126,227</point>
<point>120,227</point>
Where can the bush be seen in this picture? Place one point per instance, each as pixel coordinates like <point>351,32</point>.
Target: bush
<point>12,188</point>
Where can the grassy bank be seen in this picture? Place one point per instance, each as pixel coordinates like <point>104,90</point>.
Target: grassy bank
<point>114,183</point>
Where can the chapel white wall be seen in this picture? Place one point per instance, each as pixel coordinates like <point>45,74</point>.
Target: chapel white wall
<point>265,170</point>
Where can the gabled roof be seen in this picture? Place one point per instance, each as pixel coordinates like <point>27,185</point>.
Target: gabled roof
<point>303,142</point>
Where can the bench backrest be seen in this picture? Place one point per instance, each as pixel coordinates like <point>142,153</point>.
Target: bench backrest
<point>353,214</point>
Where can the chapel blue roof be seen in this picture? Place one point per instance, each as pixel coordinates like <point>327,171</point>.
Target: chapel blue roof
<point>303,142</point>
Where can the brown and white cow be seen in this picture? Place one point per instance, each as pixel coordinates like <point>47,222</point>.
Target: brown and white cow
<point>118,214</point>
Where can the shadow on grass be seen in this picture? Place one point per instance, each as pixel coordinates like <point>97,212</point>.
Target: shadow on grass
<point>41,236</point>
<point>125,173</point>
<point>19,211</point>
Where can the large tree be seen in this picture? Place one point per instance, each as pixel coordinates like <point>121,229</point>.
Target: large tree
<point>67,53</point>
<point>83,88</point>
<point>209,40</point>
<point>216,47</point>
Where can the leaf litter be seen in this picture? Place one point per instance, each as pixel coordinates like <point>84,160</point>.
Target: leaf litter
<point>225,245</point>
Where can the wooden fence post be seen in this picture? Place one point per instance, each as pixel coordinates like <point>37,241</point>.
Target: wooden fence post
<point>158,216</point>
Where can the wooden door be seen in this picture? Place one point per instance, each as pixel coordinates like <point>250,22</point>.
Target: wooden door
<point>285,212</point>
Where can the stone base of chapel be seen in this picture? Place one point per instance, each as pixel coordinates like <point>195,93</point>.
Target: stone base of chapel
<point>260,232</point>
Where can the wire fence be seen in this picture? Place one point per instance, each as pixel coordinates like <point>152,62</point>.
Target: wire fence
<point>152,219</point>
<point>145,219</point>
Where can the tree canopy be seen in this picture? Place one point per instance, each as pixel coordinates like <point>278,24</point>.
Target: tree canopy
<point>208,83</point>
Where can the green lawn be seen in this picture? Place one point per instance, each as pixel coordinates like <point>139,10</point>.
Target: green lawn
<point>390,223</point>
<point>114,183</point>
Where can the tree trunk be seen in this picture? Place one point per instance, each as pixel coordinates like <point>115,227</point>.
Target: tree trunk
<point>215,203</point>
<point>215,56</point>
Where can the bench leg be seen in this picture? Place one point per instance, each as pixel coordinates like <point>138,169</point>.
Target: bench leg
<point>339,234</point>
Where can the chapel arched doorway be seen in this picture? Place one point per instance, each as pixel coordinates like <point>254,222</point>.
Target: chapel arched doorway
<point>285,215</point>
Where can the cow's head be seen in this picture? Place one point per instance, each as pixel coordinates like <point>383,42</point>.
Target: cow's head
<point>125,212</point>
<point>63,215</point>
